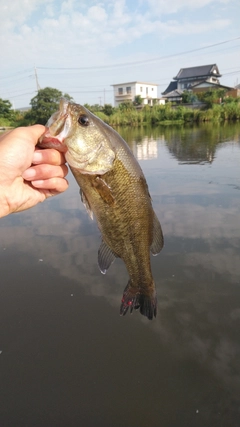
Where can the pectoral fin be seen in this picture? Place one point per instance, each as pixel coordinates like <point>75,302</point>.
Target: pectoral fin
<point>158,240</point>
<point>103,190</point>
<point>105,257</point>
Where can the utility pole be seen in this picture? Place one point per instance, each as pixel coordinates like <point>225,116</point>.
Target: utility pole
<point>36,77</point>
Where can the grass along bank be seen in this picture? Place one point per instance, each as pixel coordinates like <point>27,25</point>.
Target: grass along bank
<point>165,114</point>
<point>210,106</point>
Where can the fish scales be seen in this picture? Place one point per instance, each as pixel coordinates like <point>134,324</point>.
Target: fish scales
<point>118,197</point>
<point>120,222</point>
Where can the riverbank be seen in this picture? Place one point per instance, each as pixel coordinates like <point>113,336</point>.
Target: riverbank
<point>129,115</point>
<point>165,114</point>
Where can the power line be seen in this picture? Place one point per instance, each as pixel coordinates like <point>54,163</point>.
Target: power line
<point>16,74</point>
<point>90,91</point>
<point>22,94</point>
<point>233,72</point>
<point>12,92</point>
<point>16,80</point>
<point>125,64</point>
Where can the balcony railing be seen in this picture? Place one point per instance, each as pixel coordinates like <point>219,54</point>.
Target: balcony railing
<point>127,95</point>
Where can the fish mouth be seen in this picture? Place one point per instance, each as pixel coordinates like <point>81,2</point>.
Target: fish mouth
<point>58,127</point>
<point>48,141</point>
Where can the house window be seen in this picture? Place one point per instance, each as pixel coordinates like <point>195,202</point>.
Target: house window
<point>146,90</point>
<point>120,91</point>
<point>152,88</point>
<point>141,89</point>
<point>128,89</point>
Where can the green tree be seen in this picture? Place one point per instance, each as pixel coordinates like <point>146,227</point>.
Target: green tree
<point>189,97</point>
<point>138,100</point>
<point>126,106</point>
<point>212,96</point>
<point>44,104</point>
<point>96,107</point>
<point>93,108</point>
<point>6,111</point>
<point>108,109</point>
<point>88,106</point>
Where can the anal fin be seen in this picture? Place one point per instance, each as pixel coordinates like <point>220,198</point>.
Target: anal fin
<point>105,257</point>
<point>158,240</point>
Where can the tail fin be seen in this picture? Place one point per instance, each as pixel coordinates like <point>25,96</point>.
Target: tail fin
<point>134,298</point>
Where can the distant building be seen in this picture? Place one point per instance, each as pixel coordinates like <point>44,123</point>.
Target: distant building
<point>188,77</point>
<point>126,92</point>
<point>194,79</point>
<point>23,109</point>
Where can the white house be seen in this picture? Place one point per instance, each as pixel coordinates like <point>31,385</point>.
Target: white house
<point>125,92</point>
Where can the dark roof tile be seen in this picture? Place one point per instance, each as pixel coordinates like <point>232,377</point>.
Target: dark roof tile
<point>174,94</point>
<point>172,86</point>
<point>203,70</point>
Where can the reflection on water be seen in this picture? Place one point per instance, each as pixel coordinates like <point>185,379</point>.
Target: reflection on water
<point>187,143</point>
<point>60,329</point>
<point>147,149</point>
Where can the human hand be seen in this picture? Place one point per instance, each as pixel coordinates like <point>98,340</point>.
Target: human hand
<point>28,175</point>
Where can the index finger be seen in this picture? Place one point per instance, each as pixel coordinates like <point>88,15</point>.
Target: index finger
<point>28,134</point>
<point>48,156</point>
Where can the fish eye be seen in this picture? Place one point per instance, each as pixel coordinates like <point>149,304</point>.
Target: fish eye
<point>83,120</point>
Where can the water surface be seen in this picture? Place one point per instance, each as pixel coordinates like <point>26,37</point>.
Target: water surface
<point>66,356</point>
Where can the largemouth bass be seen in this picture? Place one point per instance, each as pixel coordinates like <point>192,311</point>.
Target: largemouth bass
<point>114,190</point>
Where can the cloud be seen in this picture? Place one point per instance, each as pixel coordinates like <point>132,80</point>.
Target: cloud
<point>162,7</point>
<point>185,28</point>
<point>41,30</point>
<point>97,13</point>
<point>51,33</point>
<point>15,13</point>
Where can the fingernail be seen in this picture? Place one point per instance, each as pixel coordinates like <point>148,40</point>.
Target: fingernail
<point>29,173</point>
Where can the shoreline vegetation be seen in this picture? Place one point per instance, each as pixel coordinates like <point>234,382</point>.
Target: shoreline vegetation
<point>210,106</point>
<point>165,115</point>
<point>172,115</point>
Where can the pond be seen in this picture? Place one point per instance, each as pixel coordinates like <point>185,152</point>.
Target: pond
<point>66,356</point>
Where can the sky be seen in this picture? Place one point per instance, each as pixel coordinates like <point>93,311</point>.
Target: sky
<point>83,47</point>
